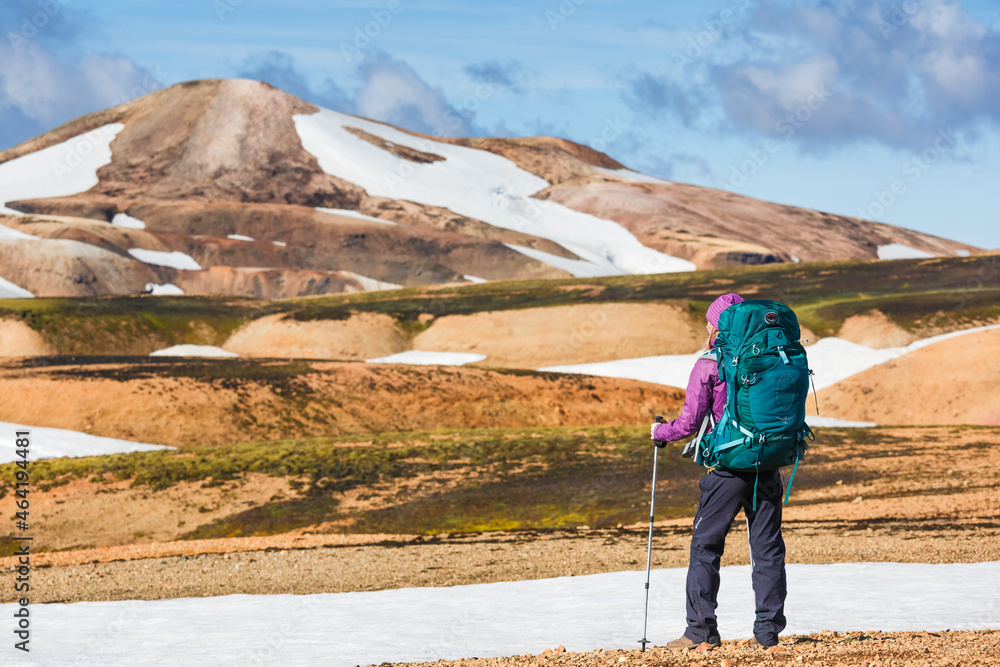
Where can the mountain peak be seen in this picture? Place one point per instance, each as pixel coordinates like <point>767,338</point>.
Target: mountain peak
<point>237,174</point>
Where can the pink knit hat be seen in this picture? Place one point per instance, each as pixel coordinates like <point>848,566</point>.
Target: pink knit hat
<point>720,305</point>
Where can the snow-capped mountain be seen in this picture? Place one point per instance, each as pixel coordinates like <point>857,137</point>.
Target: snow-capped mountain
<point>235,187</point>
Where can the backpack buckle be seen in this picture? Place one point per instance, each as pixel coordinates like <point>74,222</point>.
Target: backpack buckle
<point>755,350</point>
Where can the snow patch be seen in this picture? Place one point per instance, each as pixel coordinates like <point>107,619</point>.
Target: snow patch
<point>169,289</point>
<point>479,185</point>
<point>833,359</point>
<point>9,290</point>
<point>900,251</point>
<point>672,370</point>
<point>423,358</point>
<point>796,259</point>
<point>238,237</point>
<point>474,279</point>
<point>582,613</point>
<point>51,443</point>
<point>370,284</point>
<point>575,267</point>
<point>354,214</point>
<point>281,244</point>
<point>125,220</point>
<point>193,351</point>
<point>174,260</point>
<point>634,175</point>
<point>67,168</point>
<point>963,253</point>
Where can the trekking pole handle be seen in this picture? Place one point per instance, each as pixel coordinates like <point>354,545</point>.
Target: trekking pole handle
<point>660,443</point>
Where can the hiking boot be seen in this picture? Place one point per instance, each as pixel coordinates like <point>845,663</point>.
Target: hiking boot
<point>684,642</point>
<point>767,643</point>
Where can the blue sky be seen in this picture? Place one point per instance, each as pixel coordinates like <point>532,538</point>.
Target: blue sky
<point>888,110</point>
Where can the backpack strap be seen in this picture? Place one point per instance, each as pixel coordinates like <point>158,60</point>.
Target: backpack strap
<point>788,490</point>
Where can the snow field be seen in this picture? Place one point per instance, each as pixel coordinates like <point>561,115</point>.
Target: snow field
<point>499,619</point>
<point>634,176</point>
<point>169,289</point>
<point>173,260</point>
<point>193,351</point>
<point>65,169</point>
<point>901,251</point>
<point>370,284</point>
<point>833,359</point>
<point>124,220</point>
<point>9,290</point>
<point>50,443</point>
<point>477,184</point>
<point>422,358</point>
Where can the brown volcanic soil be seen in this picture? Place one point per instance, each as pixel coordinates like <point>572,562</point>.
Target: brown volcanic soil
<point>17,339</point>
<point>875,330</point>
<point>216,402</point>
<point>833,649</point>
<point>72,269</point>
<point>905,497</point>
<point>359,337</point>
<point>539,337</point>
<point>265,283</point>
<point>951,382</point>
<point>679,219</point>
<point>528,338</point>
<point>913,501</point>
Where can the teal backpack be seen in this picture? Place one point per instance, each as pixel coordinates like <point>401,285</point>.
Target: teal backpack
<point>767,375</point>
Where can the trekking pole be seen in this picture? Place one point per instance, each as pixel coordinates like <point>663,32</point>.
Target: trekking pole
<point>649,546</point>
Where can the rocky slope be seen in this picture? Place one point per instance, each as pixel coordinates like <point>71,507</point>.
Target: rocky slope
<point>223,176</point>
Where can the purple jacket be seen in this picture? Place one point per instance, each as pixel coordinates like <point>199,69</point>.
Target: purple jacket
<point>704,392</point>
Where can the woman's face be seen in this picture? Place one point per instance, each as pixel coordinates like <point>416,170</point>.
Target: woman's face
<point>710,329</point>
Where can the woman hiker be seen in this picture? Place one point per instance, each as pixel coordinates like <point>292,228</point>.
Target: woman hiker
<point>723,494</point>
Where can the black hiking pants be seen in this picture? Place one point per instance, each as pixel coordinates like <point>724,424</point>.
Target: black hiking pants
<point>723,495</point>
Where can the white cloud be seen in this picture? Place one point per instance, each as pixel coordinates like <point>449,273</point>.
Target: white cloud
<point>896,73</point>
<point>46,79</point>
<point>393,92</point>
